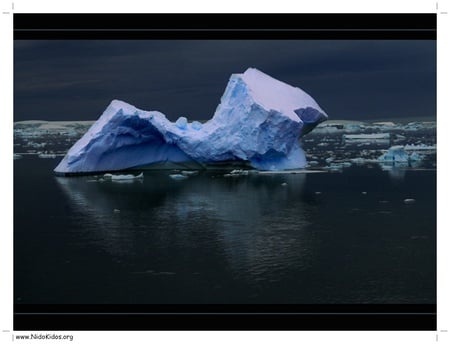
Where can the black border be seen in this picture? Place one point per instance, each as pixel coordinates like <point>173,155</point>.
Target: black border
<point>225,317</point>
<point>225,26</point>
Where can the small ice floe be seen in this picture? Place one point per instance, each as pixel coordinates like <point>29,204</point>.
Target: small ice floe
<point>358,161</point>
<point>409,201</point>
<point>318,193</point>
<point>177,176</point>
<point>116,211</point>
<point>239,172</point>
<point>17,156</point>
<point>336,166</point>
<point>189,173</point>
<point>236,173</point>
<point>47,156</point>
<point>383,138</point>
<point>364,193</point>
<point>302,171</point>
<point>284,184</point>
<point>123,177</point>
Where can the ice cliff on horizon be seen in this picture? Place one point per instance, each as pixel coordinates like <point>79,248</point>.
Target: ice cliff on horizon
<point>259,122</point>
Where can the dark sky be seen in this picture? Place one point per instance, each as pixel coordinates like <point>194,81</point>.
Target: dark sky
<point>350,79</point>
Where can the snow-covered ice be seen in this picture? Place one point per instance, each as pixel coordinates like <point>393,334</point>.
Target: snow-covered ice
<point>258,122</point>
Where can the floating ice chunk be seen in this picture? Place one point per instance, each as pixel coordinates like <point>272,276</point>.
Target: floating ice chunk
<point>420,147</point>
<point>414,156</point>
<point>123,177</point>
<point>116,210</point>
<point>409,201</point>
<point>338,166</point>
<point>367,139</point>
<point>178,176</point>
<point>17,156</point>
<point>189,173</point>
<point>47,155</point>
<point>358,161</point>
<point>127,176</point>
<point>284,184</point>
<point>239,172</point>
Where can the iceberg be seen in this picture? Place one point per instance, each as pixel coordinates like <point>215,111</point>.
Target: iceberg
<point>257,124</point>
<point>397,154</point>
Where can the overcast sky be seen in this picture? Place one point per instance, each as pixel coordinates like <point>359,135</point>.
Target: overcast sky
<point>349,79</point>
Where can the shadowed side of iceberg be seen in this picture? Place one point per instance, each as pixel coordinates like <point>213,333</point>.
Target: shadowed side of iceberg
<point>125,141</point>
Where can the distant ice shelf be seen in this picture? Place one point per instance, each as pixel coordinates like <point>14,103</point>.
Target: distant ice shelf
<point>258,124</point>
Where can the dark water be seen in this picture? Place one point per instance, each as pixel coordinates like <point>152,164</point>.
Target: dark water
<point>210,239</point>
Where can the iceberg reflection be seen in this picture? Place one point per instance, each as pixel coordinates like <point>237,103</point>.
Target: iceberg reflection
<point>256,223</point>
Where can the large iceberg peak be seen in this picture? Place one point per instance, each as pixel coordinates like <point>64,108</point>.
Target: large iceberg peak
<point>273,94</point>
<point>258,122</point>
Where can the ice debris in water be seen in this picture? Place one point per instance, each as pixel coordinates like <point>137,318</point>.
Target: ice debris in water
<point>397,154</point>
<point>47,155</point>
<point>119,177</point>
<point>178,176</point>
<point>189,173</point>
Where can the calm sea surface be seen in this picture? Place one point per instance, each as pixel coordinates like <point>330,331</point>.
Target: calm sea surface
<point>320,238</point>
